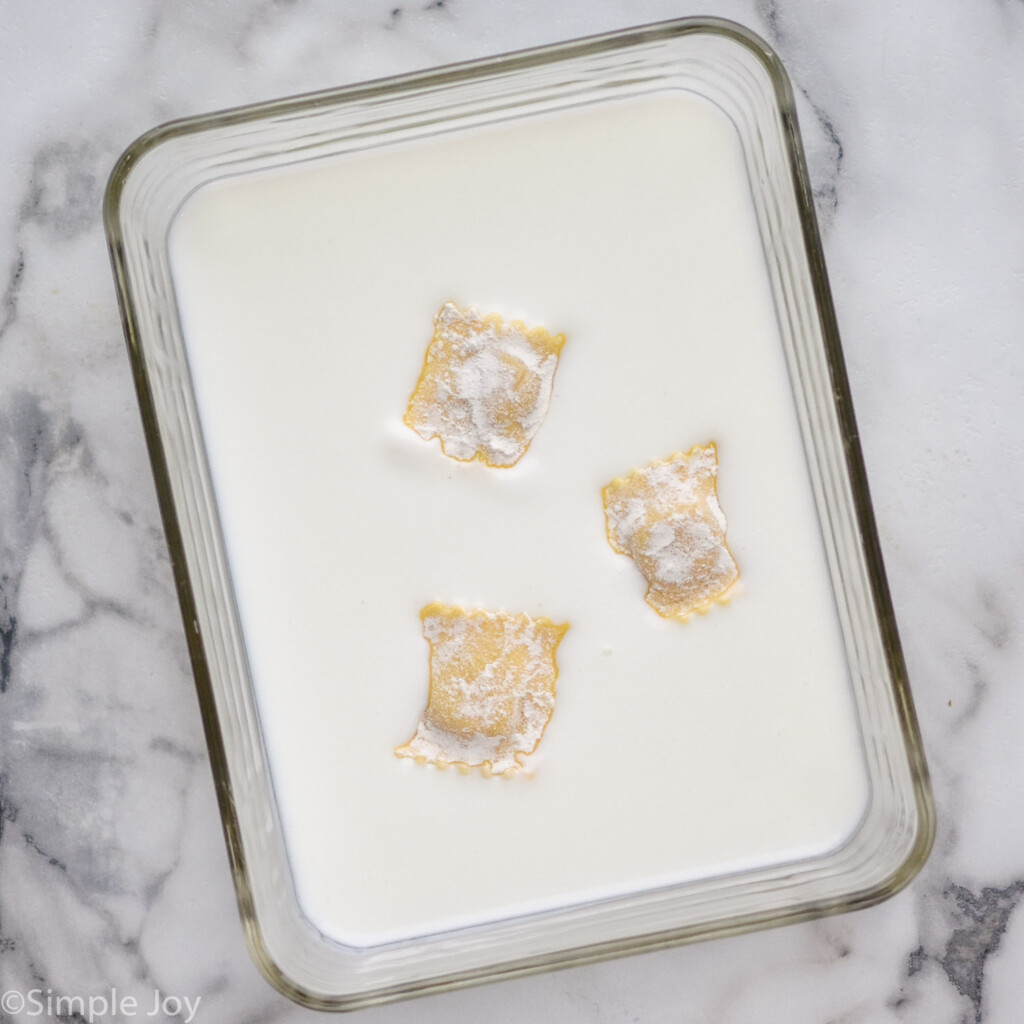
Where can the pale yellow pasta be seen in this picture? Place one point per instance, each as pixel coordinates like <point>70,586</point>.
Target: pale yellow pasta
<point>485,386</point>
<point>667,518</point>
<point>492,688</point>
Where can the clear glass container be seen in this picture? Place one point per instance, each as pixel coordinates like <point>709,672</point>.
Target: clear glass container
<point>158,177</point>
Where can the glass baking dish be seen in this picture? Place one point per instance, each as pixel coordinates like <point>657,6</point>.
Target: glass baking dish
<point>277,266</point>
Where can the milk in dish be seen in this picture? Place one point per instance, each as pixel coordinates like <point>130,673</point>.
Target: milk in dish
<point>676,750</point>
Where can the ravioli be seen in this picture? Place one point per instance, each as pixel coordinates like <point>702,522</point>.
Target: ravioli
<point>485,386</point>
<point>492,688</point>
<point>667,518</point>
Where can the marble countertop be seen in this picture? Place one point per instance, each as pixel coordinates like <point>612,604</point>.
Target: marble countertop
<point>113,873</point>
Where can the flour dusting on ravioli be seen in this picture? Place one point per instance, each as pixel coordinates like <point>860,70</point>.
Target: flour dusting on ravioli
<point>492,688</point>
<point>667,518</point>
<point>485,387</point>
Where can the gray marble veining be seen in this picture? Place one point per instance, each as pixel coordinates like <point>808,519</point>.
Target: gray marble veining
<point>113,874</point>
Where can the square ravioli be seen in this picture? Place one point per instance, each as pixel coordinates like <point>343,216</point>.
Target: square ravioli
<point>485,386</point>
<point>492,688</point>
<point>667,518</point>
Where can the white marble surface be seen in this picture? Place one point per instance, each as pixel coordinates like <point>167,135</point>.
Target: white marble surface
<point>112,867</point>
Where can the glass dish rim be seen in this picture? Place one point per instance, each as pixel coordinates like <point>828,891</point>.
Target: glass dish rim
<point>853,465</point>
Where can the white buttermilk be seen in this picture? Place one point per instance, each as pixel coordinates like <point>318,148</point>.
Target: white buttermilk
<point>675,751</point>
